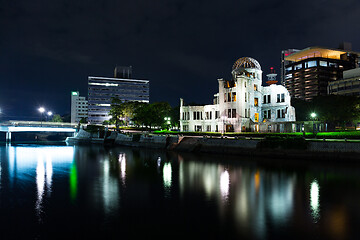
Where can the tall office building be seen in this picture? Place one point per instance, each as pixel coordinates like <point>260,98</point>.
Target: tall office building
<point>101,91</point>
<point>79,107</point>
<point>349,85</point>
<point>284,54</point>
<point>310,70</point>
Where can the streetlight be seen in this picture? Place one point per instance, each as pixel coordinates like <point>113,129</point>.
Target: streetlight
<point>41,110</point>
<point>313,116</point>
<point>49,113</point>
<point>167,119</point>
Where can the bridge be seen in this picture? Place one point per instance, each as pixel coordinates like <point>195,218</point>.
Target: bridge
<point>12,126</point>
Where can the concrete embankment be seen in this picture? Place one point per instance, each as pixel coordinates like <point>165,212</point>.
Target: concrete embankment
<point>322,150</point>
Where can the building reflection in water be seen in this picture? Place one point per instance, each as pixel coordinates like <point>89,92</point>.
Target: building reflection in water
<point>122,162</point>
<point>253,195</point>
<point>224,184</point>
<point>167,174</point>
<point>314,200</point>
<point>24,160</point>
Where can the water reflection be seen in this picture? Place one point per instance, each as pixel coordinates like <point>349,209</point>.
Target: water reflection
<point>122,161</point>
<point>167,175</point>
<point>314,200</point>
<point>40,184</point>
<point>244,199</point>
<point>224,184</point>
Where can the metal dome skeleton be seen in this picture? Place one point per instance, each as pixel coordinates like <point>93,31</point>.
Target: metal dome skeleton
<point>246,62</point>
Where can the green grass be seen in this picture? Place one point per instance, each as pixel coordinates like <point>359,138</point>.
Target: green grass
<point>320,135</point>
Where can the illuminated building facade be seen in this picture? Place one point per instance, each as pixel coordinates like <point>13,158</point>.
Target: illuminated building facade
<point>349,85</point>
<point>101,90</point>
<point>79,107</point>
<point>242,104</point>
<point>310,70</point>
<point>284,54</point>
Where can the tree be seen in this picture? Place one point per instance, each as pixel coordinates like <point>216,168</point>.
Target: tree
<point>152,114</point>
<point>332,109</point>
<point>56,118</point>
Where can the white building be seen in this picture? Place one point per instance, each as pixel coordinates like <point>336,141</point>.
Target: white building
<point>242,104</point>
<point>79,107</point>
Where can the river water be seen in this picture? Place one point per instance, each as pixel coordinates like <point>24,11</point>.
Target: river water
<point>70,192</point>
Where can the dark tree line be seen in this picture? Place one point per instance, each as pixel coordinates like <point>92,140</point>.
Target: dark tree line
<point>335,110</point>
<point>143,114</point>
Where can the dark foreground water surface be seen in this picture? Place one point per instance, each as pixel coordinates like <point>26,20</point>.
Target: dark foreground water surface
<point>52,192</point>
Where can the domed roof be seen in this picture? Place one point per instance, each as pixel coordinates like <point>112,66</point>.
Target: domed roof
<point>246,62</point>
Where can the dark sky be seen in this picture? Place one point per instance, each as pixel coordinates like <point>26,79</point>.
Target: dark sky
<point>49,48</point>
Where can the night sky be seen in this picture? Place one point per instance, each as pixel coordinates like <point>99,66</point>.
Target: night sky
<point>49,48</point>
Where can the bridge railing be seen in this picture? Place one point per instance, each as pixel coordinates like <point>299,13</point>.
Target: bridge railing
<point>39,123</point>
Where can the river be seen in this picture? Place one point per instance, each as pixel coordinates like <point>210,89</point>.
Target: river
<point>79,192</point>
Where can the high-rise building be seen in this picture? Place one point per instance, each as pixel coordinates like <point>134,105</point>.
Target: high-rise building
<point>101,91</point>
<point>79,107</point>
<point>349,85</point>
<point>284,54</point>
<point>310,70</point>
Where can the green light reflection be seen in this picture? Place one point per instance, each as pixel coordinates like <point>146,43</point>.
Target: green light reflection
<point>73,181</point>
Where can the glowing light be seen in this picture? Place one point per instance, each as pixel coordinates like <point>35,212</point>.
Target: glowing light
<point>313,115</point>
<point>73,181</point>
<point>40,184</point>
<point>167,171</point>
<point>122,161</point>
<point>74,93</point>
<point>224,184</point>
<point>314,200</point>
<point>41,109</point>
<point>257,181</point>
<point>159,161</point>
<point>49,113</point>
<point>49,173</point>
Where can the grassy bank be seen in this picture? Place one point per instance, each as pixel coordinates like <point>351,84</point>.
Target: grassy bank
<point>320,135</point>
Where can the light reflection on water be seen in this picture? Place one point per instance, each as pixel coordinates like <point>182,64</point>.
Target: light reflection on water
<point>314,200</point>
<point>247,199</point>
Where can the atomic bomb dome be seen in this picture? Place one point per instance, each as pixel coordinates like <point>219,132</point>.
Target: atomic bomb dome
<point>246,62</point>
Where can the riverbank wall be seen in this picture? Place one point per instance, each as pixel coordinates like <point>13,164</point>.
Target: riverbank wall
<point>223,145</point>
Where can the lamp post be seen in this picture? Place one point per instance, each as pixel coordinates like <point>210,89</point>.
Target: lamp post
<point>41,110</point>
<point>313,116</point>
<point>167,121</point>
<point>49,113</point>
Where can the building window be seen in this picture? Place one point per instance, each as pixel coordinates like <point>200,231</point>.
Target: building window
<point>208,128</point>
<point>255,87</point>
<point>281,113</point>
<point>288,69</point>
<point>234,97</point>
<point>287,76</point>
<point>297,67</point>
<point>323,63</point>
<point>233,113</point>
<point>280,98</point>
<point>245,97</point>
<point>335,65</point>
<point>225,97</point>
<point>198,128</point>
<point>266,99</point>
<point>256,102</point>
<point>229,113</point>
<point>245,84</point>
<point>217,114</point>
<point>185,128</point>
<point>310,64</point>
<point>267,114</point>
<point>197,115</point>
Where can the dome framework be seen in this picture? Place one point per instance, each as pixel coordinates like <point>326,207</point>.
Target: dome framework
<point>246,62</point>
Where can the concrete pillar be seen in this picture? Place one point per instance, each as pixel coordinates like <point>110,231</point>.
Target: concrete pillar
<point>8,137</point>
